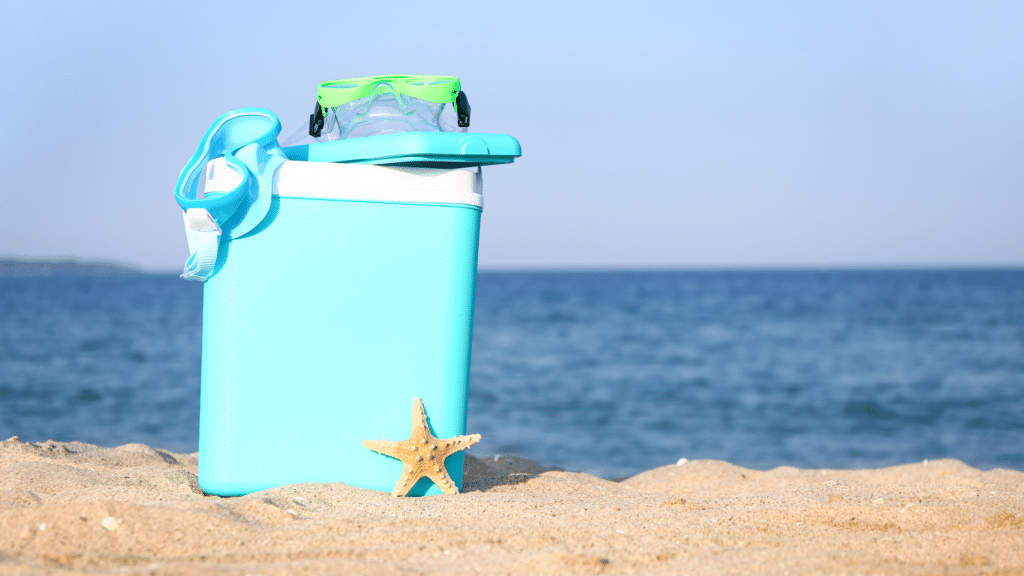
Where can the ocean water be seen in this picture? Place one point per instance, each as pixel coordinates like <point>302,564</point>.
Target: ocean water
<point>611,373</point>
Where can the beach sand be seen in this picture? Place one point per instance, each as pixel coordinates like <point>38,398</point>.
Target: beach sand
<point>73,508</point>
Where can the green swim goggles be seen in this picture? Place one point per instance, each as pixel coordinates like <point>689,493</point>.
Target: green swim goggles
<point>437,89</point>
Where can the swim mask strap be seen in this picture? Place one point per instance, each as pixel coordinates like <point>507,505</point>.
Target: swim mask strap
<point>247,139</point>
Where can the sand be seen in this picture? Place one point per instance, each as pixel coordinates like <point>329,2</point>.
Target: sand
<point>73,508</point>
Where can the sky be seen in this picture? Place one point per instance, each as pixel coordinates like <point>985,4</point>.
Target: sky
<point>675,134</point>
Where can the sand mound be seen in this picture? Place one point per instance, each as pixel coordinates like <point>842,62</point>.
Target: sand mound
<point>81,509</point>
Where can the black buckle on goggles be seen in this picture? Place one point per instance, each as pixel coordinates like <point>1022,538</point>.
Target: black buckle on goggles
<point>316,121</point>
<point>462,105</point>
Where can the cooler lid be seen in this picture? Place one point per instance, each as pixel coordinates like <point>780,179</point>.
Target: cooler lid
<point>420,149</point>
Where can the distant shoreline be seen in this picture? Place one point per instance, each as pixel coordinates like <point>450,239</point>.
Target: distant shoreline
<point>66,267</point>
<point>13,266</point>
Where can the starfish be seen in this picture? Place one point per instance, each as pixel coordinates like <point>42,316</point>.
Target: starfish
<point>422,454</point>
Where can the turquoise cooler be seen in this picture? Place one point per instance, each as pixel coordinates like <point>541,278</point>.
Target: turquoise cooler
<point>352,297</point>
<point>339,280</point>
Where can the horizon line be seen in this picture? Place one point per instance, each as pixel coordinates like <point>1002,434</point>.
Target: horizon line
<point>575,268</point>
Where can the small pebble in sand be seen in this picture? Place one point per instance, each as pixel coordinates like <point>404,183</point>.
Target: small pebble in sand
<point>109,523</point>
<point>877,501</point>
<point>681,461</point>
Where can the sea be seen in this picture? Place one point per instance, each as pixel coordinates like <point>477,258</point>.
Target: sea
<point>606,372</point>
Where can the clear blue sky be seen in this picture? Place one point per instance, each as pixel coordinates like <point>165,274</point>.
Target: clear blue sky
<point>658,134</point>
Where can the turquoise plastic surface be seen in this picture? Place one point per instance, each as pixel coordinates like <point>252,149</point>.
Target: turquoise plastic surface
<point>320,327</point>
<point>423,149</point>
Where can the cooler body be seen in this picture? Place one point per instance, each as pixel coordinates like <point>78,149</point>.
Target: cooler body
<point>353,297</point>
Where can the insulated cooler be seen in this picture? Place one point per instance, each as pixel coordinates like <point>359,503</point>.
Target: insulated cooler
<point>320,326</point>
